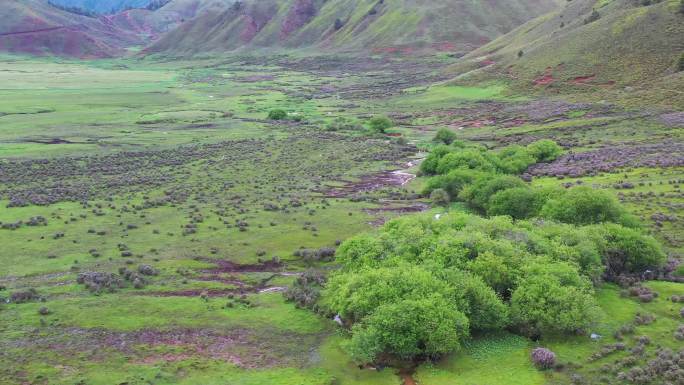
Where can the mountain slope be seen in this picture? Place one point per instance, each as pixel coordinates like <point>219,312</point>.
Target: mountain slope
<point>384,25</point>
<point>37,28</point>
<point>623,44</point>
<point>154,23</point>
<point>34,27</point>
<point>103,6</point>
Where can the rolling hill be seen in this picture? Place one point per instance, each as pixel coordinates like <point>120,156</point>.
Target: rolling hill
<point>153,23</point>
<point>37,28</point>
<point>588,45</point>
<point>353,25</point>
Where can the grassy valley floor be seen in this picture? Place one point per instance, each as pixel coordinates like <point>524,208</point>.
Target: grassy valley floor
<point>170,174</point>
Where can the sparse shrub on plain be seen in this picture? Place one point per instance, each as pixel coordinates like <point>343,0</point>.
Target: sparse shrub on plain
<point>343,124</point>
<point>306,289</point>
<point>147,270</point>
<point>445,136</point>
<point>24,296</point>
<point>98,282</point>
<point>543,358</point>
<point>277,114</point>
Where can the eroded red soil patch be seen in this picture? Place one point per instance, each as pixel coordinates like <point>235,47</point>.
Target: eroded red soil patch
<point>583,79</point>
<point>546,78</point>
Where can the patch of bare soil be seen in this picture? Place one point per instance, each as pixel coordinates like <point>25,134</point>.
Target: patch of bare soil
<point>242,347</point>
<point>225,266</point>
<point>390,210</point>
<point>223,272</point>
<point>372,182</point>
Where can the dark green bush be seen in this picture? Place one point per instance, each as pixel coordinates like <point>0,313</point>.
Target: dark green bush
<point>277,114</point>
<point>629,251</point>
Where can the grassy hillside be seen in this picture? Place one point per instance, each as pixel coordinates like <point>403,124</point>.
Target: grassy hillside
<point>152,24</point>
<point>380,25</point>
<point>35,27</point>
<point>624,44</point>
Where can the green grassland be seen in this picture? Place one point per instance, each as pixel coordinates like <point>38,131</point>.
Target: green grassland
<point>158,148</point>
<point>504,359</point>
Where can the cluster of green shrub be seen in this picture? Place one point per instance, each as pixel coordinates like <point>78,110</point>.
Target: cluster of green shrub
<point>423,284</point>
<point>280,114</point>
<point>376,125</point>
<point>487,182</point>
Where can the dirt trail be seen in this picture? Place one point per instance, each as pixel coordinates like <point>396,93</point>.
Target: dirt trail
<point>406,376</point>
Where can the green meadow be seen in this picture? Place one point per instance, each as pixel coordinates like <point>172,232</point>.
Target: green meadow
<point>174,165</point>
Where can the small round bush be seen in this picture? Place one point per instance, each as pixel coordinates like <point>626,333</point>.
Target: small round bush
<point>440,197</point>
<point>545,150</point>
<point>380,124</point>
<point>277,114</point>
<point>444,136</point>
<point>543,358</point>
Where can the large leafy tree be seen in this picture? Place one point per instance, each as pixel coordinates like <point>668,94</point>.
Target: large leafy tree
<point>409,328</point>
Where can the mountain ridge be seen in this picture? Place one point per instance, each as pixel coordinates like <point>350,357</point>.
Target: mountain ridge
<point>352,25</point>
